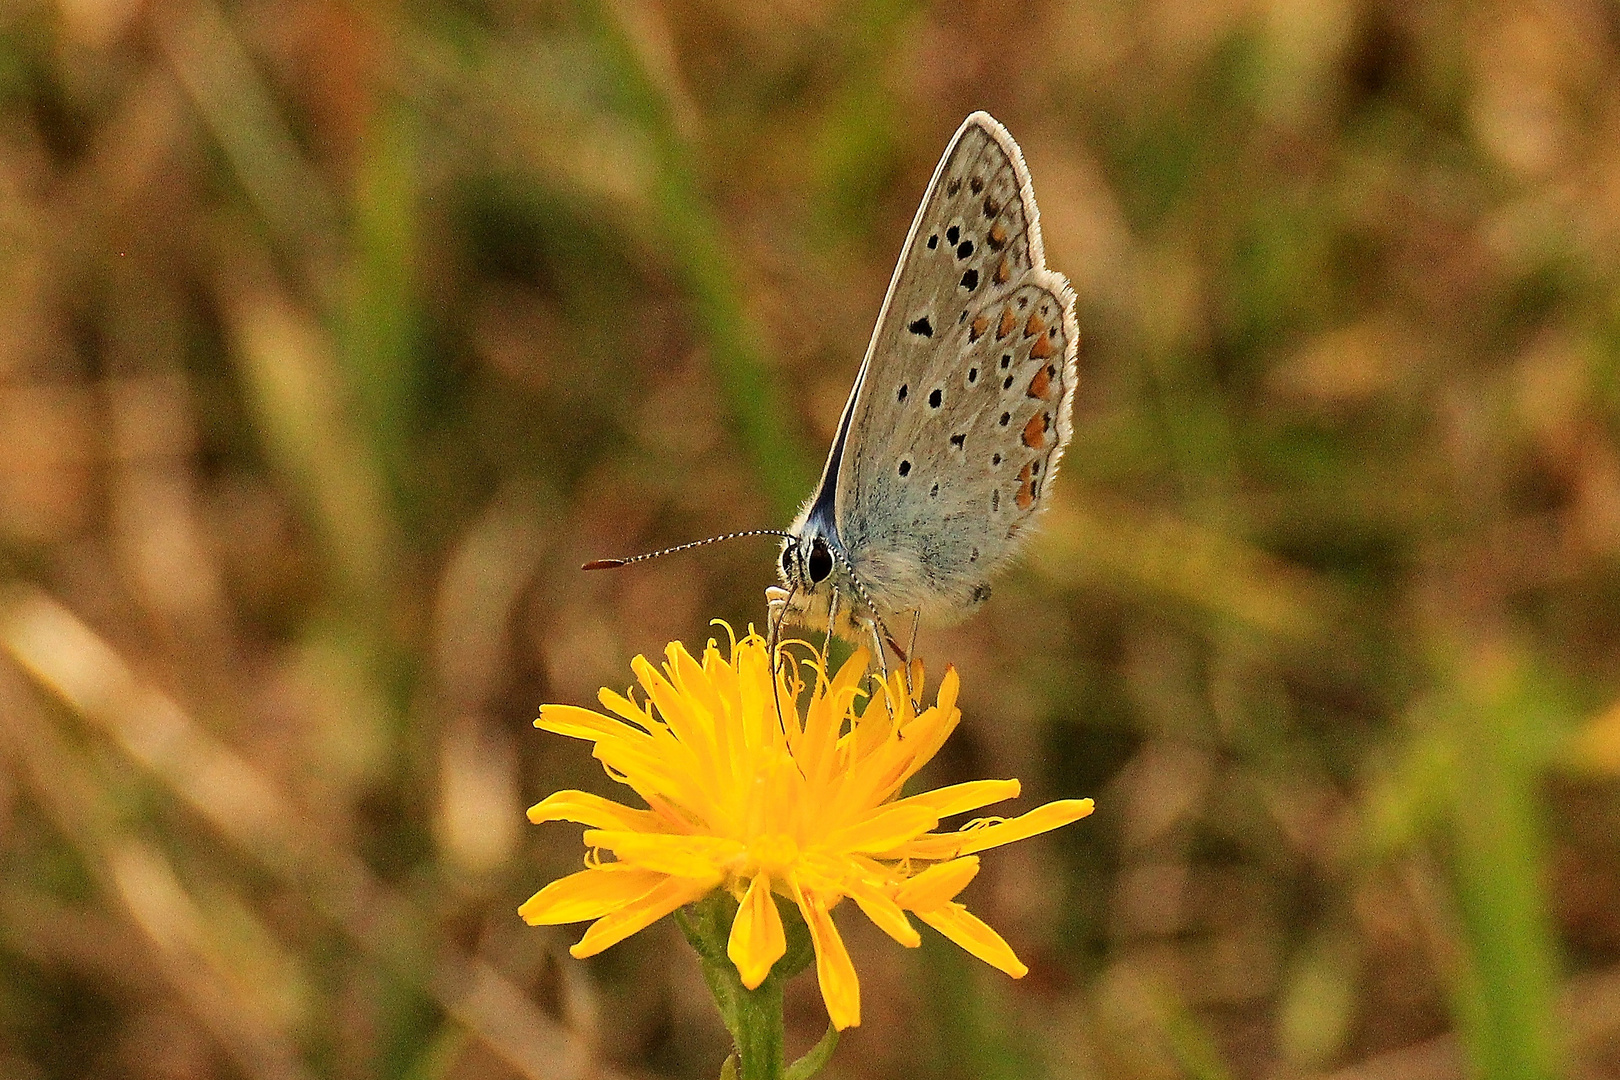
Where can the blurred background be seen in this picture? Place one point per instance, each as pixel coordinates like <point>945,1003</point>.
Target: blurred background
<point>335,335</point>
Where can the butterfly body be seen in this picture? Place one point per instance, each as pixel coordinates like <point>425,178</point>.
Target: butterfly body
<point>951,436</point>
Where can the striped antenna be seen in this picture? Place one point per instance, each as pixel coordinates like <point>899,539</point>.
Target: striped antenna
<point>612,564</point>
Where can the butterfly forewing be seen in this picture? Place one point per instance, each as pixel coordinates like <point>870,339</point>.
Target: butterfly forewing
<point>963,405</point>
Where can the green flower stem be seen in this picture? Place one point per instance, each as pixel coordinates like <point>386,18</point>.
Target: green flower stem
<point>754,1017</point>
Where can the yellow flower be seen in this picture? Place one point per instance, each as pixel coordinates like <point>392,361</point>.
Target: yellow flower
<point>745,794</point>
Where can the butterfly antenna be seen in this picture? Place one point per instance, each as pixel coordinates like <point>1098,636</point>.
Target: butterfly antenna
<point>613,564</point>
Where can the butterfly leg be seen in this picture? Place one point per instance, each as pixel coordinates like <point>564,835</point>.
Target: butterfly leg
<point>910,660</point>
<point>903,655</point>
<point>832,621</point>
<point>883,662</point>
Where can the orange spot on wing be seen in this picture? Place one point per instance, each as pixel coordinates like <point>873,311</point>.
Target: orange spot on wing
<point>1008,321</point>
<point>1035,433</point>
<point>1042,347</point>
<point>976,331</point>
<point>1035,325</point>
<point>1026,489</point>
<point>1041,384</point>
<point>998,236</point>
<point>1002,272</point>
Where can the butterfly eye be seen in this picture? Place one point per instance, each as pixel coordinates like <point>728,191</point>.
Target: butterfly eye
<point>787,561</point>
<point>821,562</point>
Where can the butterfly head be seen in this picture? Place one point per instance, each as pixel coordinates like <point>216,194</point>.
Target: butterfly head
<point>819,589</point>
<point>807,562</point>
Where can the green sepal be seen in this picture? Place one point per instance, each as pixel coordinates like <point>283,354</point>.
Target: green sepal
<point>815,1058</point>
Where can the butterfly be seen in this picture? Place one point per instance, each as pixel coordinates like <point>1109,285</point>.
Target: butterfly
<point>948,445</point>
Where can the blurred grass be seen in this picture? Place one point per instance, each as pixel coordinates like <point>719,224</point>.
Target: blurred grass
<point>1504,729</point>
<point>333,337</point>
<point>632,43</point>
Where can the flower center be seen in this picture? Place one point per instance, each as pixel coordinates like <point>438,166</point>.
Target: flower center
<point>773,854</point>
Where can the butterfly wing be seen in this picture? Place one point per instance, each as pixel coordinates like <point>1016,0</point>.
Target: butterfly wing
<point>963,405</point>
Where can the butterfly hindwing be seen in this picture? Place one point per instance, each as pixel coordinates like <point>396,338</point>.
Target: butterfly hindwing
<point>964,402</point>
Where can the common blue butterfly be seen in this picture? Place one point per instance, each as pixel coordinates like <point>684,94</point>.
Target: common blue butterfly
<point>950,440</point>
<point>951,437</point>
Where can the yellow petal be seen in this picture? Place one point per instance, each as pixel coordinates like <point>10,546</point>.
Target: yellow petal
<point>831,703</point>
<point>593,810</point>
<point>757,938</point>
<point>758,696</point>
<point>840,989</point>
<point>960,798</point>
<point>902,701</point>
<point>884,913</point>
<point>697,684</point>
<point>614,927</point>
<point>925,735</point>
<point>686,717</point>
<point>578,723</point>
<point>920,740</point>
<point>883,831</point>
<point>874,726</point>
<point>669,853</point>
<point>821,872</point>
<point>972,934</point>
<point>877,775</point>
<point>693,680</point>
<point>937,886</point>
<point>1042,819</point>
<point>852,674</point>
<point>589,894</point>
<point>948,689</point>
<point>619,705</point>
<point>651,770</point>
